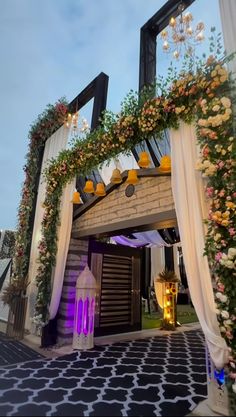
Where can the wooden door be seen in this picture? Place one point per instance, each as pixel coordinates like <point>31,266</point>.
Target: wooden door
<point>118,300</point>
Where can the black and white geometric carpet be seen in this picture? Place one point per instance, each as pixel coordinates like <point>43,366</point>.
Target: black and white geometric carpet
<point>158,376</point>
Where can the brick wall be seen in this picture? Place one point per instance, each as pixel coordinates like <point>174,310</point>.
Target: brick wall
<point>76,260</point>
<point>153,195</point>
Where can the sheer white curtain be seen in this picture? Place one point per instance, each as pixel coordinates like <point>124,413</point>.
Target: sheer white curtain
<point>53,146</point>
<point>187,188</point>
<point>228,19</point>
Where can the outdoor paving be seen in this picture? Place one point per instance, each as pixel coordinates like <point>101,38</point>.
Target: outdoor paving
<point>157,376</point>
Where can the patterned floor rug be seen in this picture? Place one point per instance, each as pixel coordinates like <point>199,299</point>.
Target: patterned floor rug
<point>159,376</point>
<point>13,352</point>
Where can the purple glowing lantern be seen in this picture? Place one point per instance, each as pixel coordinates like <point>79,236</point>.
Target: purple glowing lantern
<point>84,311</point>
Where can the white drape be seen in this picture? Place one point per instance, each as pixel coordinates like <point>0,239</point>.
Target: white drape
<point>53,146</point>
<point>228,19</point>
<point>64,234</point>
<point>187,191</point>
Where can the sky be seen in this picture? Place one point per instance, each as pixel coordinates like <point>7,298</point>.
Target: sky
<point>55,48</point>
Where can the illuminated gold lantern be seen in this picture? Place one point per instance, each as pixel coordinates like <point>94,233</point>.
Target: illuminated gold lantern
<point>165,164</point>
<point>89,188</point>
<point>144,160</point>
<point>116,177</point>
<point>76,199</point>
<point>132,177</point>
<point>100,189</point>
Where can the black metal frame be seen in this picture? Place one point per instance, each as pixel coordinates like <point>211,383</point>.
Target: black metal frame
<point>148,56</point>
<point>148,39</point>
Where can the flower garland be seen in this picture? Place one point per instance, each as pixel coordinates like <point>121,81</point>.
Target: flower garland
<point>46,124</point>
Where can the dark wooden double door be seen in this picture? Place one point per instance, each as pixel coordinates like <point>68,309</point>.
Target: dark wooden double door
<point>117,270</point>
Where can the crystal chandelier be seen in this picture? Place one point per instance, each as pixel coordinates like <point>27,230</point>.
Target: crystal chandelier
<point>181,38</point>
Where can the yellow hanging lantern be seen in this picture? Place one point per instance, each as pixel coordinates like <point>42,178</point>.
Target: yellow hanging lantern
<point>165,164</point>
<point>76,198</point>
<point>89,188</point>
<point>144,160</point>
<point>100,189</point>
<point>116,176</point>
<point>132,177</point>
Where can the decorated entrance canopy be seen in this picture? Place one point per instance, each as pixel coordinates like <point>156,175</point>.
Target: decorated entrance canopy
<point>201,94</point>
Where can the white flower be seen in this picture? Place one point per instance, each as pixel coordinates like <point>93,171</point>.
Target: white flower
<point>225,314</point>
<point>216,108</point>
<point>217,237</point>
<point>234,387</point>
<point>223,298</point>
<point>232,253</point>
<point>222,329</point>
<point>226,102</point>
<point>228,322</point>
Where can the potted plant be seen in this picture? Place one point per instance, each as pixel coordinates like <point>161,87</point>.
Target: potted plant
<point>166,289</point>
<point>14,295</point>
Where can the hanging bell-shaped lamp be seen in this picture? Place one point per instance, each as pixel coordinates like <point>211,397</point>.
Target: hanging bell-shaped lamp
<point>132,177</point>
<point>76,199</point>
<point>144,160</point>
<point>100,189</point>
<point>165,164</point>
<point>89,188</point>
<point>116,177</point>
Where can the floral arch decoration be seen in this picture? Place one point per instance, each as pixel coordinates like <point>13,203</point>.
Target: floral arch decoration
<point>203,96</point>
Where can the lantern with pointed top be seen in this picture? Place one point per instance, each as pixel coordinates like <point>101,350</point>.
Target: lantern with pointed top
<point>116,176</point>
<point>84,310</point>
<point>76,199</point>
<point>89,188</point>
<point>165,164</point>
<point>132,177</point>
<point>100,190</point>
<point>144,160</point>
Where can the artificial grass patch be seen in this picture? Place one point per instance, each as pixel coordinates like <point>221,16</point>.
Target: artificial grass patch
<point>185,314</point>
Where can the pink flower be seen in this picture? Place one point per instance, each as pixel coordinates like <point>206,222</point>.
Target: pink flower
<point>218,256</point>
<point>221,193</point>
<point>229,334</point>
<point>221,287</point>
<point>234,194</point>
<point>232,375</point>
<point>220,164</point>
<point>232,231</point>
<point>209,191</point>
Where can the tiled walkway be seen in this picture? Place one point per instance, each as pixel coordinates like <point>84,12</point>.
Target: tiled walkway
<point>157,376</point>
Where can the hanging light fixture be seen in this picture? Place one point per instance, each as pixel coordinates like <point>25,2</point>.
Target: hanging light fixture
<point>144,161</point>
<point>100,189</point>
<point>116,176</point>
<point>76,199</point>
<point>132,177</point>
<point>89,188</point>
<point>180,37</point>
<point>165,164</point>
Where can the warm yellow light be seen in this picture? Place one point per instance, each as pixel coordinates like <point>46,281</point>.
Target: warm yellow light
<point>168,303</point>
<point>167,291</point>
<point>172,22</point>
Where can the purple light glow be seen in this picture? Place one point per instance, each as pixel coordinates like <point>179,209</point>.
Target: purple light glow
<point>80,316</point>
<point>92,306</point>
<point>86,317</point>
